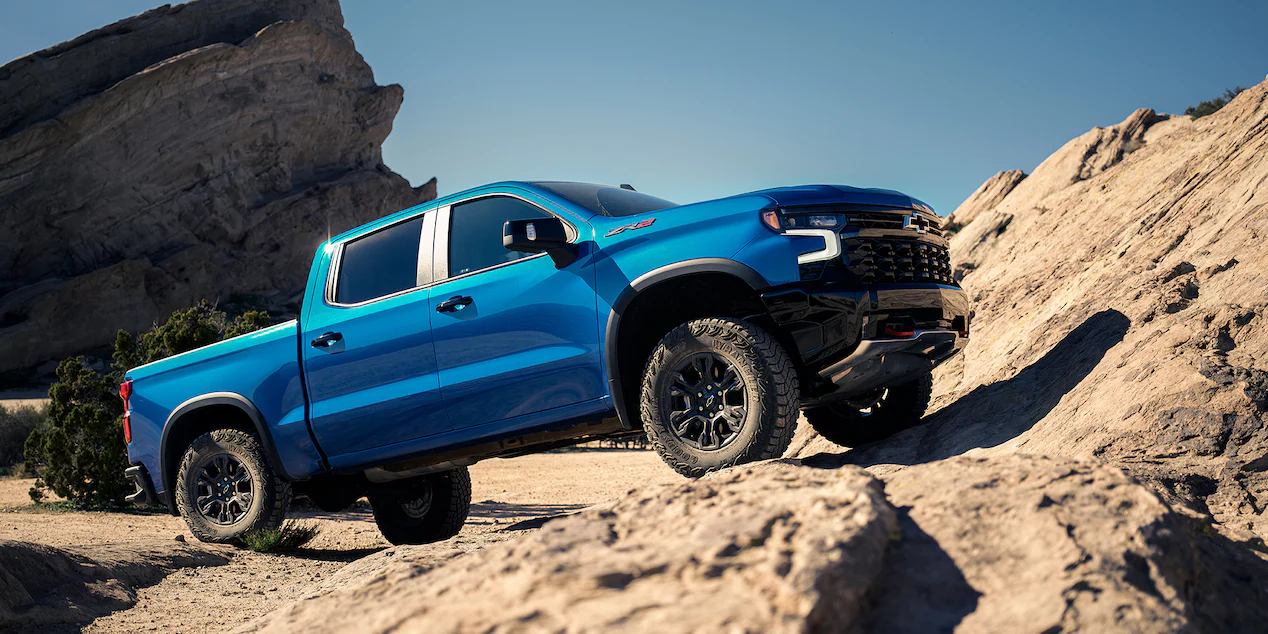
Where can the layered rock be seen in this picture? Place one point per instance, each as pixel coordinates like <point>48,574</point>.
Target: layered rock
<point>1123,315</point>
<point>765,548</point>
<point>200,150</point>
<point>1005,544</point>
<point>986,197</point>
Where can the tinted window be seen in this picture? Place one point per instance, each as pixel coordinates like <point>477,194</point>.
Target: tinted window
<point>475,232</point>
<point>379,264</point>
<point>605,200</point>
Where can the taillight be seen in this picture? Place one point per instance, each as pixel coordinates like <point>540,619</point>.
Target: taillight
<point>125,393</point>
<point>899,332</point>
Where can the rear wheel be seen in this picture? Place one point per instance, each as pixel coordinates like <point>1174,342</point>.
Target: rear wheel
<point>718,392</point>
<point>423,510</point>
<point>225,487</point>
<point>873,416</point>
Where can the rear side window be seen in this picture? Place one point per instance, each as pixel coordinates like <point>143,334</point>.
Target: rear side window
<point>475,232</point>
<point>379,264</point>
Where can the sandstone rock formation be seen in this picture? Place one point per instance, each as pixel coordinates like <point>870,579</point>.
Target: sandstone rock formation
<point>1122,313</point>
<point>1005,544</point>
<point>41,585</point>
<point>197,150</point>
<point>765,548</point>
<point>986,197</point>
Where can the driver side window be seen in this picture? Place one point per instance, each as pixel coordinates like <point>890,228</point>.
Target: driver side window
<point>475,232</point>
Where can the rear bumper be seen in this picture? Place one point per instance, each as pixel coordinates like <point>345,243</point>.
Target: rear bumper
<point>144,495</point>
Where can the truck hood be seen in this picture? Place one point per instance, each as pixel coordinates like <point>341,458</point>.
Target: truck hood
<point>815,195</point>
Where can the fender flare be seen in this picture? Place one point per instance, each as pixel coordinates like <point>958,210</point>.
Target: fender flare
<point>644,282</point>
<point>168,462</point>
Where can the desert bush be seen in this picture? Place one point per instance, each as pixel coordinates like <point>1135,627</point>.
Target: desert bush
<point>80,453</point>
<point>15,425</point>
<point>290,536</point>
<point>1210,107</point>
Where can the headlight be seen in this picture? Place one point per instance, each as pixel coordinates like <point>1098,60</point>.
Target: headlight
<point>779,221</point>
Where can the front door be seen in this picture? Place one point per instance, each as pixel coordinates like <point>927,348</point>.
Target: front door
<point>367,345</point>
<point>513,334</point>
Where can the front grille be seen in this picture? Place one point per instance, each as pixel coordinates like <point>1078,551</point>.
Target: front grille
<point>874,260</point>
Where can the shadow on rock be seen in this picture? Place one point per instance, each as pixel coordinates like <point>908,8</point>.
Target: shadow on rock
<point>993,414</point>
<point>922,589</point>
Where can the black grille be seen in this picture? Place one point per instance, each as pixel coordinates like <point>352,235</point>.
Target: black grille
<point>874,260</point>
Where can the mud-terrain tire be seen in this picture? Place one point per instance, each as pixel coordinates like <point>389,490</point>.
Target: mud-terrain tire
<point>749,415</point>
<point>423,510</point>
<point>248,494</point>
<point>896,409</point>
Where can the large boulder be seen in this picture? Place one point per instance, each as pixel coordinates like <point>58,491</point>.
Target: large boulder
<point>198,150</point>
<point>773,547</point>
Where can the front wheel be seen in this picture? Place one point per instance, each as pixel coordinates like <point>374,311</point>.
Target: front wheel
<point>423,510</point>
<point>718,392</point>
<point>873,416</point>
<point>225,487</point>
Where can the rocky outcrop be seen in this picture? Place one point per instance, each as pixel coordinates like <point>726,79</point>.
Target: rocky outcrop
<point>1123,316</point>
<point>773,547</point>
<point>198,150</point>
<point>986,197</point>
<point>1004,544</point>
<point>41,585</point>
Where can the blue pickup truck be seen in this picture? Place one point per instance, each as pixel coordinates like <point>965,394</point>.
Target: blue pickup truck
<point>524,316</point>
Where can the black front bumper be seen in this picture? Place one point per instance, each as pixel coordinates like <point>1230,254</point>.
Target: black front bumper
<point>852,339</point>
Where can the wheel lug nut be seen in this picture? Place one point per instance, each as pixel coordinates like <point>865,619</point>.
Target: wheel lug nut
<point>701,408</point>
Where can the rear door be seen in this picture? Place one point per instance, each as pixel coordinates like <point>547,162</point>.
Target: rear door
<point>369,360</point>
<point>513,334</point>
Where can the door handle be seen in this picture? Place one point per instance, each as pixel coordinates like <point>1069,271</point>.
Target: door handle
<point>454,304</point>
<point>327,340</point>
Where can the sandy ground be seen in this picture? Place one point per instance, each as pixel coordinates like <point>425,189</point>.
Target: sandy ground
<point>504,493</point>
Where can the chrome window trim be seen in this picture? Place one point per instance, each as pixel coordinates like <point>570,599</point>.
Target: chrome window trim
<point>336,261</point>
<point>440,254</point>
<point>440,250</point>
<point>426,240</point>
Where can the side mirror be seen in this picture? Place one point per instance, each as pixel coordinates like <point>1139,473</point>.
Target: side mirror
<point>540,235</point>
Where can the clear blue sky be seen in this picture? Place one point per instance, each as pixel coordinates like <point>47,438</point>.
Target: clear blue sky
<point>697,100</point>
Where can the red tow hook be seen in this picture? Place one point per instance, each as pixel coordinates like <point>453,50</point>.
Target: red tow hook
<point>894,332</point>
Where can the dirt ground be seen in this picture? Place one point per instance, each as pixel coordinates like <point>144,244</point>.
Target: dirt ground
<point>505,494</point>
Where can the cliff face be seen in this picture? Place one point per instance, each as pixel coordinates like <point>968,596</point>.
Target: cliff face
<point>200,150</point>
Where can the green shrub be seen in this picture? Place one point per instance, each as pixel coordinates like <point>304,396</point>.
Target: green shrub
<point>1210,107</point>
<point>15,425</point>
<point>80,454</point>
<point>289,537</point>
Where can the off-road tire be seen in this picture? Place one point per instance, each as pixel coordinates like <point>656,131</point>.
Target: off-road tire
<point>771,394</point>
<point>902,407</point>
<point>270,493</point>
<point>447,512</point>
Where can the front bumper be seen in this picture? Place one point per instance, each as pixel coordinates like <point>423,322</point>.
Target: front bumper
<point>878,363</point>
<point>851,339</point>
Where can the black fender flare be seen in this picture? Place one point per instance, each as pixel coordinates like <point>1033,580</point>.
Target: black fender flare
<point>644,282</point>
<point>169,461</point>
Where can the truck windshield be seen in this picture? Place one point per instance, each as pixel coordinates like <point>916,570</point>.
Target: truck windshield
<point>606,200</point>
